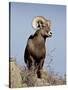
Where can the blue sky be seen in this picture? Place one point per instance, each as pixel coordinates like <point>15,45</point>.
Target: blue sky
<point>21,28</point>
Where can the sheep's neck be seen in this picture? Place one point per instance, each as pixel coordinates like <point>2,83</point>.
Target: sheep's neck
<point>39,41</point>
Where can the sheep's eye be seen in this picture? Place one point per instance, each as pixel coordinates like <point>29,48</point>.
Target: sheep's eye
<point>46,24</point>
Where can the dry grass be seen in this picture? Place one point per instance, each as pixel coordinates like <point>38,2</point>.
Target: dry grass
<point>22,77</point>
<point>47,79</point>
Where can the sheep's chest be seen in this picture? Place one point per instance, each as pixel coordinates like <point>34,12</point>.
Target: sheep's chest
<point>37,49</point>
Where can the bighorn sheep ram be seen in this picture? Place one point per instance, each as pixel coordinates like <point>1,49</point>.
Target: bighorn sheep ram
<point>35,50</point>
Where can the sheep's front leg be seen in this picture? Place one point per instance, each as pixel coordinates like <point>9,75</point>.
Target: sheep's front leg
<point>31,65</point>
<point>39,68</point>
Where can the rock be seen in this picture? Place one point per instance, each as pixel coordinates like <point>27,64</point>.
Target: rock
<point>14,74</point>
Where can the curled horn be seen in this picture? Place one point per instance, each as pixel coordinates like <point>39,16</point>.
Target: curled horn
<point>38,22</point>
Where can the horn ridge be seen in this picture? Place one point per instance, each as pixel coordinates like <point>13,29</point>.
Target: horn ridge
<point>36,20</point>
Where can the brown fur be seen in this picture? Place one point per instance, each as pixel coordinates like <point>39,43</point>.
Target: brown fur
<point>35,50</point>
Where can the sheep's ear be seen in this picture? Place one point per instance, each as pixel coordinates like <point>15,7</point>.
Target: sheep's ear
<point>35,21</point>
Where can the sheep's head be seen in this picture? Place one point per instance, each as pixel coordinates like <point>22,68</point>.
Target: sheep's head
<point>42,24</point>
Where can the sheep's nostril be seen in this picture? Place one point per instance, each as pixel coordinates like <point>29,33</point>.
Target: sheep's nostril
<point>51,33</point>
